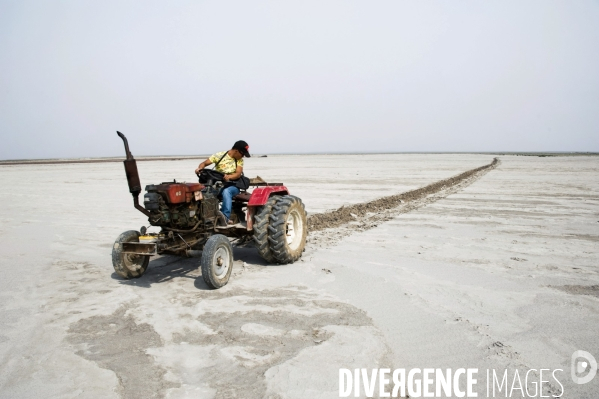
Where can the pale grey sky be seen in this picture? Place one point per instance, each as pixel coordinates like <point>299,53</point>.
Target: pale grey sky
<point>191,77</point>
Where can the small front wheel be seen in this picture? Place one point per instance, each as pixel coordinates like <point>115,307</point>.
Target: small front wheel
<point>217,261</point>
<point>128,265</point>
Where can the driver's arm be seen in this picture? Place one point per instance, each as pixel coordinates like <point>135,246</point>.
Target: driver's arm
<point>236,175</point>
<point>203,165</point>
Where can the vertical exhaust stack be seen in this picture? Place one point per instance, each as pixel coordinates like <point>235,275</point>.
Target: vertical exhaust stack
<point>132,176</point>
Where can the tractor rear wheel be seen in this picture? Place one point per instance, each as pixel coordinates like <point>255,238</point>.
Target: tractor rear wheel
<point>287,229</point>
<point>128,265</point>
<point>261,222</point>
<point>217,261</point>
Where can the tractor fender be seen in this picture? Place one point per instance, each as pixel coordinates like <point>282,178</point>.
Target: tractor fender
<point>260,195</point>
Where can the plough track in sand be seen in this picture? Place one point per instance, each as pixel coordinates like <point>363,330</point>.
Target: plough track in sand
<point>328,227</point>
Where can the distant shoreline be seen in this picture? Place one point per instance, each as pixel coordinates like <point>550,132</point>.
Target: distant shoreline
<point>91,160</point>
<point>184,157</point>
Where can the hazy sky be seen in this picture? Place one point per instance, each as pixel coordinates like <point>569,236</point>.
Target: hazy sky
<point>190,77</point>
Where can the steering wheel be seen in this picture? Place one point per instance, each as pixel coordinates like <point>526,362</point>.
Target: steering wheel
<point>210,176</point>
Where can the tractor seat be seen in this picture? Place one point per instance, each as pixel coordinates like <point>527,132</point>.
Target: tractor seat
<point>242,197</point>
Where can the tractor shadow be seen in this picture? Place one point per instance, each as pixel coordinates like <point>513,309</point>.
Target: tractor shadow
<point>165,268</point>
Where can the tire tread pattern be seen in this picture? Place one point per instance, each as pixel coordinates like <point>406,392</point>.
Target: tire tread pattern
<point>261,222</point>
<point>277,230</point>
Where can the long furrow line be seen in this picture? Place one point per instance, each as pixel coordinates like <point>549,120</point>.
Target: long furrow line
<point>333,225</point>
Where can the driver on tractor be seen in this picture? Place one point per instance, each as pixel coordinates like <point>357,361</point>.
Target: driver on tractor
<point>230,164</point>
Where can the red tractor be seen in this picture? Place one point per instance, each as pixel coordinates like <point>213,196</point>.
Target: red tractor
<point>191,224</point>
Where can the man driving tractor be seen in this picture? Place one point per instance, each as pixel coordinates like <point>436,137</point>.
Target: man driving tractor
<point>229,163</point>
<point>191,224</point>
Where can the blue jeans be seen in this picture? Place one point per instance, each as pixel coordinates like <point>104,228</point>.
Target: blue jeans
<point>228,193</point>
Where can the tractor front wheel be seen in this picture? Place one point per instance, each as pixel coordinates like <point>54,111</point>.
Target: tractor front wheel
<point>128,265</point>
<point>217,261</point>
<point>287,229</point>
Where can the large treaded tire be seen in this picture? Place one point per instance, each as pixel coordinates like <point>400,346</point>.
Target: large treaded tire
<point>287,229</point>
<point>261,222</point>
<point>127,265</point>
<point>217,261</point>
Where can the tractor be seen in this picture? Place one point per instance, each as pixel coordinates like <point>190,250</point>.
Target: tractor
<point>191,224</point>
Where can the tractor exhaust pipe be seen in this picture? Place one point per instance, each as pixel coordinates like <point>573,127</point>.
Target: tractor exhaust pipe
<point>132,176</point>
<point>131,168</point>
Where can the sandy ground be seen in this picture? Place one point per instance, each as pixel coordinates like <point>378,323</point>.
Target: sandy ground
<point>499,273</point>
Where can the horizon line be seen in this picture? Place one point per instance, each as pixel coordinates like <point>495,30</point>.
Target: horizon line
<point>25,161</point>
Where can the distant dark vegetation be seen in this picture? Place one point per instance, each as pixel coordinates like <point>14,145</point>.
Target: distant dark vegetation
<point>548,154</point>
